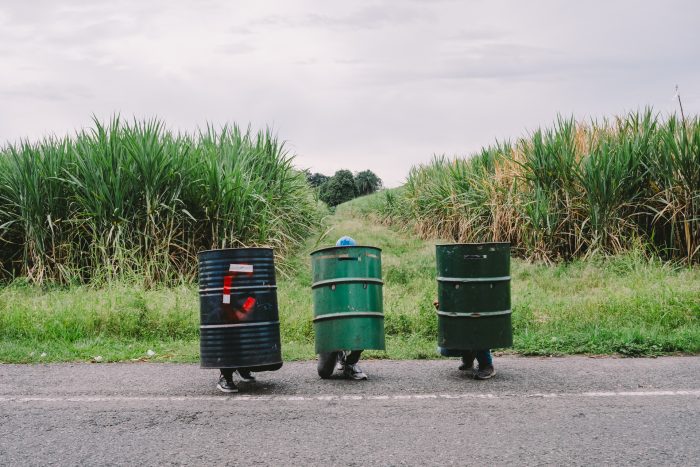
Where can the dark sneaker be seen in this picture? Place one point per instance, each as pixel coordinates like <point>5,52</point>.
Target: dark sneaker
<point>353,372</point>
<point>467,365</point>
<point>246,376</point>
<point>225,385</point>
<point>485,373</point>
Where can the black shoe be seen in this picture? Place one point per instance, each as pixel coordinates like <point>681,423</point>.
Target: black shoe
<point>486,372</point>
<point>466,364</point>
<point>246,376</point>
<point>225,385</point>
<point>353,372</point>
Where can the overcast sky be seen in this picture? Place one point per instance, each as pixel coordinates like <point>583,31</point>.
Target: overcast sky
<point>363,84</point>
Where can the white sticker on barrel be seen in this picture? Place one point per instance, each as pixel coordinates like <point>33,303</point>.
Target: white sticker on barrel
<point>241,268</point>
<point>227,299</point>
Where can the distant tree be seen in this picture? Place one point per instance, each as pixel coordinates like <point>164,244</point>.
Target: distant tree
<point>316,179</point>
<point>367,182</point>
<point>339,188</point>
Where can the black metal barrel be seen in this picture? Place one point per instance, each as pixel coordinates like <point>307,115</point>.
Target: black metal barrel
<point>239,319</point>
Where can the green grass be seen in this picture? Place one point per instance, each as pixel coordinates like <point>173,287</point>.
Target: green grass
<point>624,305</point>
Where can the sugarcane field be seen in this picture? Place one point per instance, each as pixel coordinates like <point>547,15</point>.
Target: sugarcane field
<point>374,233</point>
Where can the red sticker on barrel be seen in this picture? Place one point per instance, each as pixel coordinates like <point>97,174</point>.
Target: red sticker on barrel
<point>249,303</point>
<point>228,281</point>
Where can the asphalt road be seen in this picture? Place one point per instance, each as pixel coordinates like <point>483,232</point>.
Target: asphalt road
<point>537,411</point>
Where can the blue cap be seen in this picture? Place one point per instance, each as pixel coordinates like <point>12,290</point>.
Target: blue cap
<point>345,241</point>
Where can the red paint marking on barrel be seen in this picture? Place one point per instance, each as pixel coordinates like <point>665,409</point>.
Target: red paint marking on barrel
<point>234,270</point>
<point>249,304</point>
<point>228,280</point>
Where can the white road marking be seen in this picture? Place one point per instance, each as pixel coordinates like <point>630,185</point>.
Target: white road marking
<point>326,398</point>
<point>641,393</point>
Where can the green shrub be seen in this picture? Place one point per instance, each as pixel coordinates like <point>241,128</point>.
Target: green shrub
<point>338,189</point>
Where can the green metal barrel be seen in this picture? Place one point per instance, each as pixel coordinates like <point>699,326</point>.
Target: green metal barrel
<point>474,296</point>
<point>347,295</point>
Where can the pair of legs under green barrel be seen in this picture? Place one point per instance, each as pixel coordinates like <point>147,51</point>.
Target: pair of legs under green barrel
<point>485,370</point>
<point>344,361</point>
<point>348,308</point>
<point>473,303</point>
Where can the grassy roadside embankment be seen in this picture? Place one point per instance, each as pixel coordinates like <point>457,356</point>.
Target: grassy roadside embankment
<point>626,305</point>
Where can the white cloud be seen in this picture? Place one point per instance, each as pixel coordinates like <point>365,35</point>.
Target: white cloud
<point>369,84</point>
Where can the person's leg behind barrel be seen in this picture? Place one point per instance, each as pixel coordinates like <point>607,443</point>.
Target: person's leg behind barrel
<point>246,375</point>
<point>326,363</point>
<point>226,383</point>
<point>351,370</point>
<point>466,355</point>
<point>467,360</point>
<point>486,369</point>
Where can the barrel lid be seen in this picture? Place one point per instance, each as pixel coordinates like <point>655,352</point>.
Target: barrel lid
<point>235,249</point>
<point>344,247</point>
<point>472,244</point>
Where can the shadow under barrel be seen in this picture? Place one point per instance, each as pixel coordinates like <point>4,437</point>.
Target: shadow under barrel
<point>474,296</point>
<point>239,318</point>
<point>347,297</point>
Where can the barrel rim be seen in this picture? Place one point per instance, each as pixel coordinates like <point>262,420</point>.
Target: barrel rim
<point>236,249</point>
<point>347,280</point>
<point>479,279</point>
<point>344,246</point>
<point>473,244</point>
